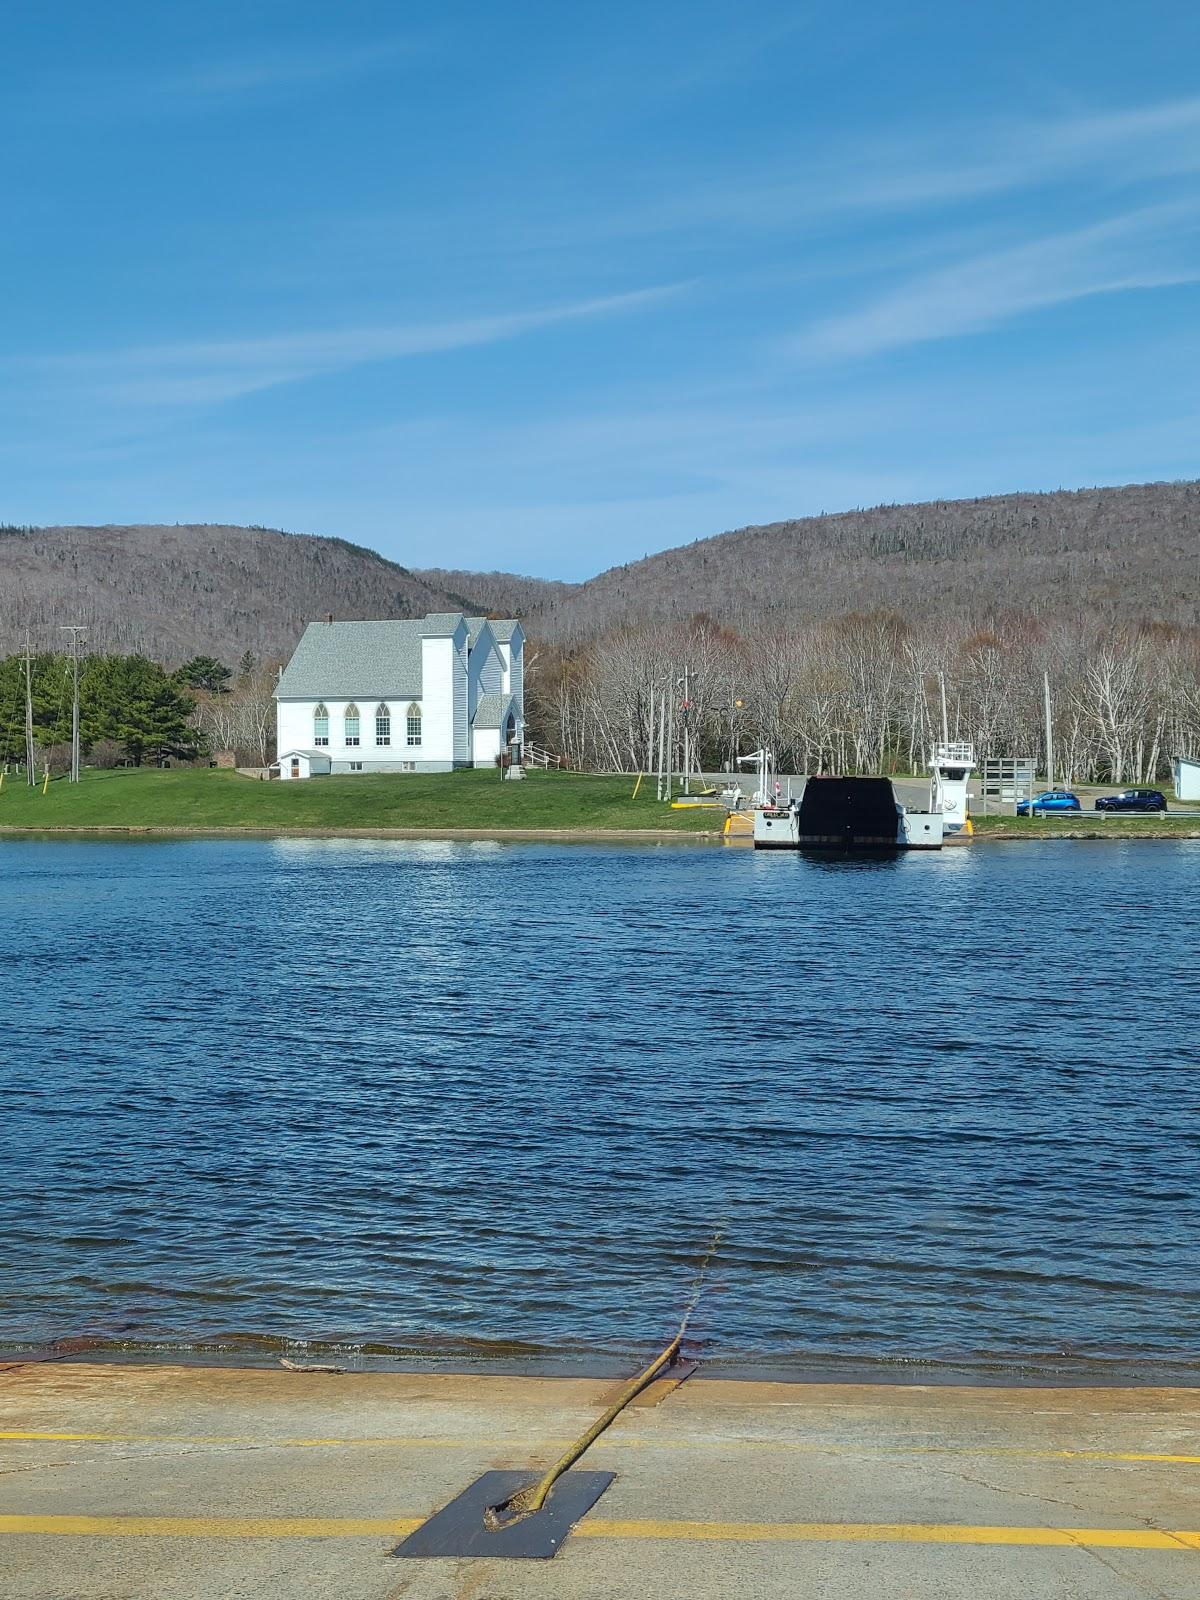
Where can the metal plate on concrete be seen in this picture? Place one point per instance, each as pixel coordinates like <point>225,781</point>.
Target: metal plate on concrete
<point>655,1393</point>
<point>458,1529</point>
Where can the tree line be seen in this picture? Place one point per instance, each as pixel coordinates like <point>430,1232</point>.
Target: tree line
<point>862,694</point>
<point>132,709</point>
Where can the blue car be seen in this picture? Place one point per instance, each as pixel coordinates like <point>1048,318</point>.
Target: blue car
<point>1048,800</point>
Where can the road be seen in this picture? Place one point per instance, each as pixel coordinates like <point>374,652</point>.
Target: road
<point>216,1484</point>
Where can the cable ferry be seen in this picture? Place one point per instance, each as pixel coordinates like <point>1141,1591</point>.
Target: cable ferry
<point>851,814</point>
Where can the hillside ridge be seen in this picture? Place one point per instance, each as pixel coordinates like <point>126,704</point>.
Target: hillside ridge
<point>1125,554</point>
<point>1129,554</point>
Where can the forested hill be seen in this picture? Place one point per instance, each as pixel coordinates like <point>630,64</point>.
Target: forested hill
<point>174,591</point>
<point>1123,554</point>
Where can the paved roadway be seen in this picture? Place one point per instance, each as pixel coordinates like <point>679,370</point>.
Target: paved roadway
<point>219,1484</point>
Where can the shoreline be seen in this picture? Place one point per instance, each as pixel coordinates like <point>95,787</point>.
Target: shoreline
<point>803,1371</point>
<point>999,834</point>
<point>201,830</point>
<point>551,807</point>
<point>1006,833</point>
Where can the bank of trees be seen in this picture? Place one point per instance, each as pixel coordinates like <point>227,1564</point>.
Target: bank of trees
<point>132,709</point>
<point>237,712</point>
<point>863,694</point>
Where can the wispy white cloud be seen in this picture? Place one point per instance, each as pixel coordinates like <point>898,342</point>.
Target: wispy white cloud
<point>202,373</point>
<point>1116,146</point>
<point>1143,249</point>
<point>285,68</point>
<point>905,173</point>
<point>213,85</point>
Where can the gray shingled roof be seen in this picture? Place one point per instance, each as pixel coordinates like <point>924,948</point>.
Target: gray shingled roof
<point>491,709</point>
<point>502,628</point>
<point>350,660</point>
<point>356,660</point>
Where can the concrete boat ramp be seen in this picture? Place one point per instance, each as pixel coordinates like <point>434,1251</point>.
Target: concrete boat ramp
<point>194,1483</point>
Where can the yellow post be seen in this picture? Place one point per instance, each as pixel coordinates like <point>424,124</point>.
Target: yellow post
<point>637,786</point>
<point>1,780</point>
<point>46,779</point>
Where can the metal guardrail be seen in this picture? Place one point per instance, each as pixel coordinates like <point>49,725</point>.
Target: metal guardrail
<point>1090,811</point>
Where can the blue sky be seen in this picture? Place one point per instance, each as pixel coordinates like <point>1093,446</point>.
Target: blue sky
<point>548,287</point>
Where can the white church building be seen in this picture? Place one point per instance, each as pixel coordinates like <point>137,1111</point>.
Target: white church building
<point>427,696</point>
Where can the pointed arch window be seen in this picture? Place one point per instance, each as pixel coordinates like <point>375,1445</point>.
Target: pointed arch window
<point>353,725</point>
<point>321,724</point>
<point>413,724</point>
<point>383,724</point>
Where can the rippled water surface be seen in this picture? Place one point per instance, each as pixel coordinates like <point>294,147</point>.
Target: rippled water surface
<point>494,1099</point>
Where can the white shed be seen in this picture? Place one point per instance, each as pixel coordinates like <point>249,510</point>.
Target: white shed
<point>1187,777</point>
<point>302,764</point>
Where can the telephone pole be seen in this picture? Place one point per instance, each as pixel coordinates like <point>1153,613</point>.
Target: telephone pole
<point>74,629</point>
<point>29,778</point>
<point>1049,731</point>
<point>662,740</point>
<point>687,735</point>
<point>670,744</point>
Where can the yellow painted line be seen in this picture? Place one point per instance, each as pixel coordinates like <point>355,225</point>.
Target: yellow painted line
<point>412,1442</point>
<point>214,1527</point>
<point>890,1533</point>
<point>1059,1455</point>
<point>616,1440</point>
<point>601,1528</point>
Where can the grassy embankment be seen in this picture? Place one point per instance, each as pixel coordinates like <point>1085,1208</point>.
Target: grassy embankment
<point>200,798</point>
<point>1089,825</point>
<point>547,802</point>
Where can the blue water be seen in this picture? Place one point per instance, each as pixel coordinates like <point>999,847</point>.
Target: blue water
<point>491,1101</point>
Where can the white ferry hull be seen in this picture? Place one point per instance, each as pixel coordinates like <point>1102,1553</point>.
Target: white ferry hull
<point>848,815</point>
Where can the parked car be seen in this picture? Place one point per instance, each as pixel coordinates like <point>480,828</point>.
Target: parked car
<point>1049,800</point>
<point>1133,800</point>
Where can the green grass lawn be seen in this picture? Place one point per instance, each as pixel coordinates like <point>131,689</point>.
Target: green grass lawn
<point>206,798</point>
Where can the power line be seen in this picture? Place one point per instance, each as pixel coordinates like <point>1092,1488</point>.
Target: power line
<point>29,777</point>
<point>74,629</point>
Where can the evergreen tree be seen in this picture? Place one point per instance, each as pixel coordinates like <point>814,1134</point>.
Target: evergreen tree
<point>204,672</point>
<point>133,701</point>
<point>51,693</point>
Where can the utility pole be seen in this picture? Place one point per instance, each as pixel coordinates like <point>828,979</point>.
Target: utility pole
<point>670,741</point>
<point>29,777</point>
<point>1049,731</point>
<point>945,721</point>
<point>687,735</point>
<point>74,629</point>
<point>650,734</point>
<point>662,740</point>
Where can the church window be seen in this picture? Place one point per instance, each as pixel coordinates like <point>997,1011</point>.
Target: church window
<point>383,725</point>
<point>321,725</point>
<point>413,721</point>
<point>352,724</point>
